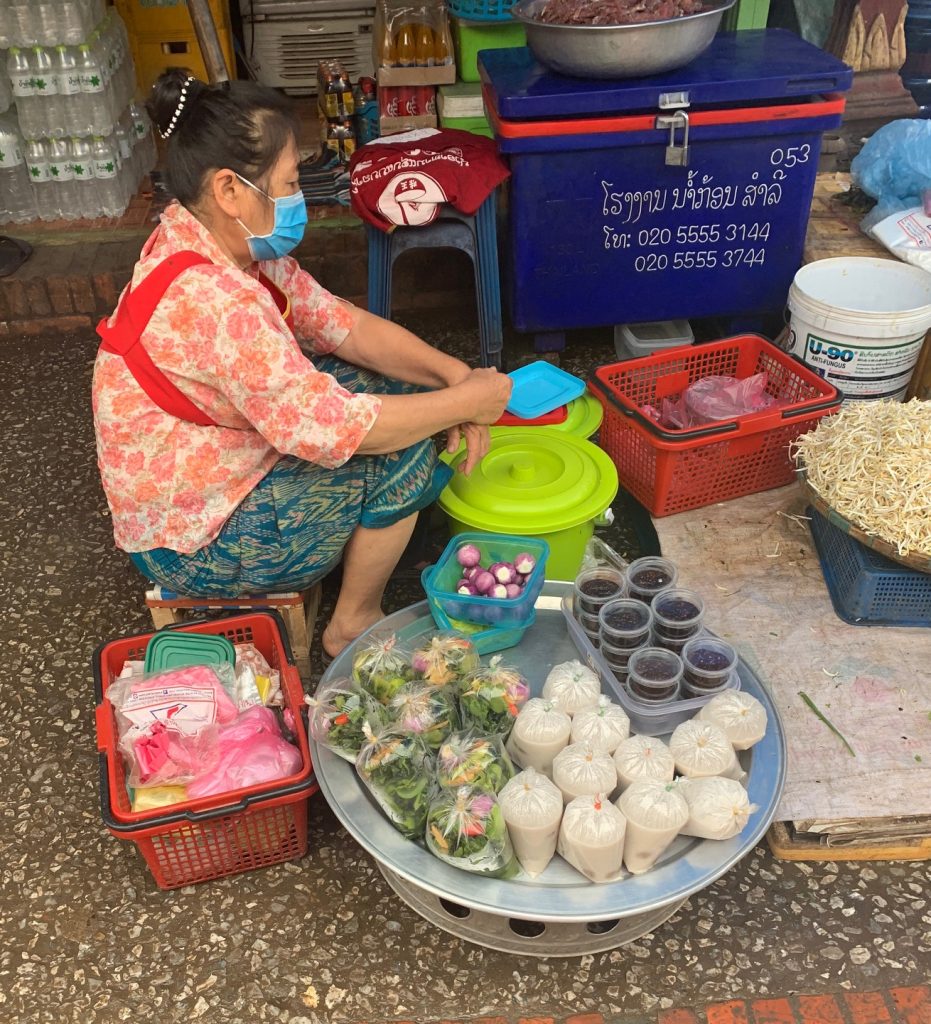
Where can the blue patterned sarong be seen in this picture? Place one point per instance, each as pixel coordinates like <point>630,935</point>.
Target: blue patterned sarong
<point>291,529</point>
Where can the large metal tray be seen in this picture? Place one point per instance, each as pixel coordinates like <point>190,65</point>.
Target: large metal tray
<point>560,894</point>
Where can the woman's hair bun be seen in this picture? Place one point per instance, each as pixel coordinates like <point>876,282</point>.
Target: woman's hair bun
<point>166,95</point>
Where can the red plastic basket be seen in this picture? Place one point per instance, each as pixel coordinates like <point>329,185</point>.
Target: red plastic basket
<point>199,840</point>
<point>671,471</point>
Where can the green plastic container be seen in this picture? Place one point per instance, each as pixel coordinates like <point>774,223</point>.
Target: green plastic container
<point>537,482</point>
<point>470,37</point>
<point>475,125</point>
<point>167,651</point>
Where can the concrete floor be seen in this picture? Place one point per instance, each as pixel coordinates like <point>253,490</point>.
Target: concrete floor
<point>86,936</point>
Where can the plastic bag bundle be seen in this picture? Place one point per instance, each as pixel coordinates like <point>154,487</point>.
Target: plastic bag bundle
<point>718,808</point>
<point>532,807</point>
<point>470,759</point>
<point>382,666</point>
<point>894,167</point>
<point>572,687</point>
<point>603,727</point>
<point>445,659</point>
<point>643,757</point>
<point>398,770</point>
<point>338,712</point>
<point>700,749</point>
<point>256,681</point>
<point>740,715</point>
<point>655,812</point>
<point>712,399</point>
<point>540,731</point>
<point>581,771</point>
<point>251,752</point>
<point>428,711</point>
<point>592,838</point>
<point>465,828</point>
<point>491,698</point>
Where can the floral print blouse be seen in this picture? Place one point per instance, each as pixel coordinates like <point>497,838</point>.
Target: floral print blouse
<point>220,339</point>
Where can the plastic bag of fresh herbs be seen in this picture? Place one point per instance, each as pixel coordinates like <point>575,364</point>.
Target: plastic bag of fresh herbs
<point>470,759</point>
<point>465,828</point>
<point>338,711</point>
<point>398,770</point>
<point>382,665</point>
<point>491,698</point>
<point>428,711</point>
<point>445,658</point>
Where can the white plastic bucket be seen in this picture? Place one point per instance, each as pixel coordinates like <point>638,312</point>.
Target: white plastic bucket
<point>860,323</point>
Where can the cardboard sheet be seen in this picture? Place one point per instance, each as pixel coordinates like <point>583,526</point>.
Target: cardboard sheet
<point>758,571</point>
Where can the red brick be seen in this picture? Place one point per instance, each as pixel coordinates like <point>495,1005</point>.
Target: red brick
<point>586,1018</point>
<point>60,296</point>
<point>913,1004</point>
<point>491,1020</point>
<point>58,324</point>
<point>772,1011</point>
<point>819,1010</point>
<point>105,290</point>
<point>536,1020</point>
<point>37,296</point>
<point>867,1008</point>
<point>17,303</point>
<point>82,295</point>
<point>677,1017</point>
<point>733,1012</point>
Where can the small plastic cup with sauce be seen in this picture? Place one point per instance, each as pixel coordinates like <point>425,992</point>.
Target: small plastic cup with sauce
<point>709,663</point>
<point>625,623</point>
<point>595,587</point>
<point>648,576</point>
<point>654,675</point>
<point>617,658</point>
<point>678,614</point>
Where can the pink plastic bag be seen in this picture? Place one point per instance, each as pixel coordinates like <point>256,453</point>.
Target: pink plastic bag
<point>161,756</point>
<point>713,399</point>
<point>252,751</point>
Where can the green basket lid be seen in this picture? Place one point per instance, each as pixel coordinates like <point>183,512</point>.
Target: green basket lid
<point>532,481</point>
<point>583,417</point>
<point>167,651</point>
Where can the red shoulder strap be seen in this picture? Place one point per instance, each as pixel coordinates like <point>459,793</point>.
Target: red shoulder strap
<point>123,337</point>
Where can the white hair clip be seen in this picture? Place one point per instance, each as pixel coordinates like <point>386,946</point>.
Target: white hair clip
<point>172,124</point>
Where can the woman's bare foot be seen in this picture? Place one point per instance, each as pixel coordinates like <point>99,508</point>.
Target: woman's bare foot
<point>339,635</point>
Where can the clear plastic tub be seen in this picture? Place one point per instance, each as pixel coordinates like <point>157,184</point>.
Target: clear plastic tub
<point>594,588</point>
<point>644,719</point>
<point>625,623</point>
<point>677,614</point>
<point>648,576</point>
<point>709,663</point>
<point>690,691</point>
<point>654,675</point>
<point>676,646</point>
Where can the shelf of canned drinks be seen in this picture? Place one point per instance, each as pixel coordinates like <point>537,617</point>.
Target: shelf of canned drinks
<point>73,90</point>
<point>48,22</point>
<point>81,177</point>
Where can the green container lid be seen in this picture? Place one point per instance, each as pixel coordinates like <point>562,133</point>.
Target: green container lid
<point>167,651</point>
<point>532,481</point>
<point>583,417</point>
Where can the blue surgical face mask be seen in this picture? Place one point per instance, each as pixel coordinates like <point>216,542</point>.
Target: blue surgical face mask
<point>290,222</point>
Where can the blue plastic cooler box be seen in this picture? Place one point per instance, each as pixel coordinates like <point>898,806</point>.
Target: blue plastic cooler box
<point>613,220</point>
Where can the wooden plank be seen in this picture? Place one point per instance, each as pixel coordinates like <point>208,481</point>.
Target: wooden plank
<point>785,847</point>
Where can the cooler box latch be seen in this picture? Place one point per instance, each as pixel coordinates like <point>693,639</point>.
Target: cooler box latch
<point>676,155</point>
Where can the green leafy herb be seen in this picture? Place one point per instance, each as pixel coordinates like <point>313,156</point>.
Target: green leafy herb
<point>465,828</point>
<point>399,772</point>
<point>820,715</point>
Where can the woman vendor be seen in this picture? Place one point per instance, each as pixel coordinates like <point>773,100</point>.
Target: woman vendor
<point>232,461</point>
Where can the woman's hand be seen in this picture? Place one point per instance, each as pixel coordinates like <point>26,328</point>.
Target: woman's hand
<point>477,441</point>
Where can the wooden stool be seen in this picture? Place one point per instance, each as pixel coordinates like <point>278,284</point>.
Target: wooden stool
<point>299,611</point>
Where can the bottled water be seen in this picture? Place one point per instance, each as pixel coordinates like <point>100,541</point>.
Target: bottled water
<point>123,140</point>
<point>69,93</point>
<point>6,92</point>
<point>24,24</point>
<point>145,139</point>
<point>106,171</point>
<point>46,193</point>
<point>17,203</point>
<point>6,25</point>
<point>62,174</point>
<point>46,16</point>
<point>94,89</point>
<point>82,164</point>
<point>48,103</point>
<point>22,82</point>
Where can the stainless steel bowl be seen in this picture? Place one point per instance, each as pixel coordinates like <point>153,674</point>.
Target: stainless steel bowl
<point>619,51</point>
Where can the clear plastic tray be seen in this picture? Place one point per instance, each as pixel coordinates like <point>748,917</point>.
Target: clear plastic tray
<point>649,721</point>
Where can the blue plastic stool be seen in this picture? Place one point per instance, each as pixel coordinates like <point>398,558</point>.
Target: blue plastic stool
<point>476,236</point>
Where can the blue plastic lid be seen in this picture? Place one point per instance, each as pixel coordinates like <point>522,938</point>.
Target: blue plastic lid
<point>738,68</point>
<point>541,387</point>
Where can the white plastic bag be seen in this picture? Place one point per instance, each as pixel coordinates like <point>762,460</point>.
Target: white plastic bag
<point>540,732</point>
<point>572,686</point>
<point>581,771</point>
<point>603,727</point>
<point>655,813</point>
<point>701,749</point>
<point>591,838</point>
<point>718,808</point>
<point>532,808</point>
<point>907,234</point>
<point>643,757</point>
<point>740,715</point>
